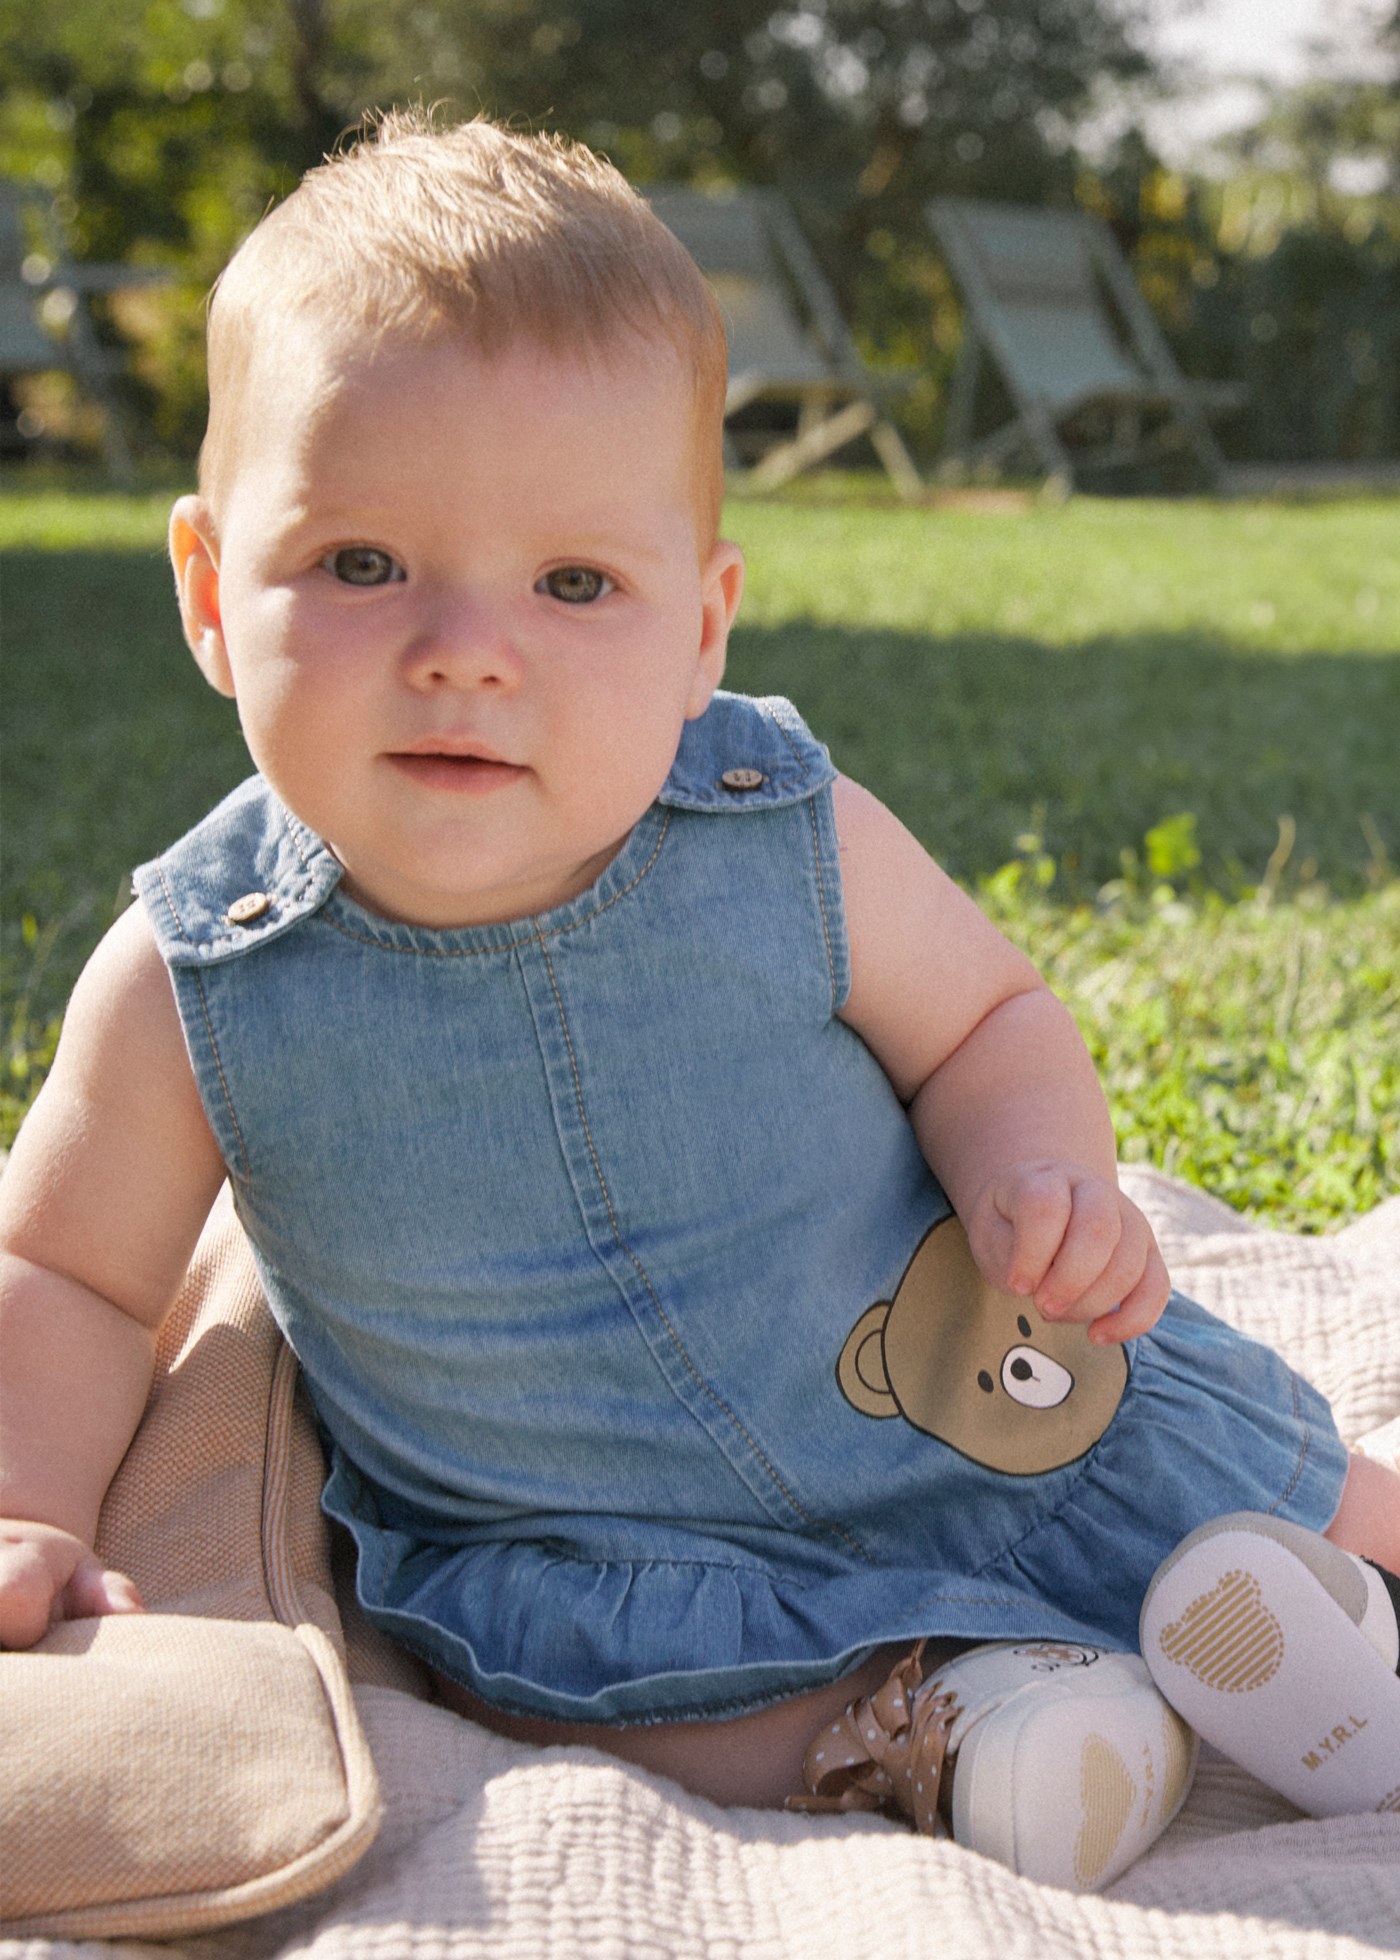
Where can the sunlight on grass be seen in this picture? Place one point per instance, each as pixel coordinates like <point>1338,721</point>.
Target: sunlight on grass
<point>1279,579</point>
<point>1250,1049</point>
<point>55,522</point>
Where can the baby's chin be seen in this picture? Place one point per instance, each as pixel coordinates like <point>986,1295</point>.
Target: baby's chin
<point>453,907</point>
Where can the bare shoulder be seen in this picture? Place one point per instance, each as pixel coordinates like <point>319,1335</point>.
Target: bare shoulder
<point>926,964</point>
<point>115,1168</point>
<point>875,846</point>
<point>122,1024</point>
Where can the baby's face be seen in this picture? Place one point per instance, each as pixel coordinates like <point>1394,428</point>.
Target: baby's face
<point>461,605</point>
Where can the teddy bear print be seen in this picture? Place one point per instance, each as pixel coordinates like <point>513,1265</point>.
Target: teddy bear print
<point>978,1369</point>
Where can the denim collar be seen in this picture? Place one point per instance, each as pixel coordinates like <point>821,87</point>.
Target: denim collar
<point>744,754</point>
<point>269,871</point>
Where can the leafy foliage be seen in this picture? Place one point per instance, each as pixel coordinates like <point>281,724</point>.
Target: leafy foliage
<point>1278,282</point>
<point>1247,1048</point>
<point>165,126</point>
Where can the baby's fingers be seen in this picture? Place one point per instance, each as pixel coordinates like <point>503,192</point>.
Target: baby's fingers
<point>1099,1257</point>
<point>35,1565</point>
<point>46,1576</point>
<point>1141,1306</point>
<point>26,1595</point>
<point>1034,1214</point>
<point>94,1591</point>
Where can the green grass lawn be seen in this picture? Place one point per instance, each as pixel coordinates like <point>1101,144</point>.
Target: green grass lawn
<point>1158,739</point>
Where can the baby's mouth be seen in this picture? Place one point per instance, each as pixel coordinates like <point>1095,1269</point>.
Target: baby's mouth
<point>465,771</point>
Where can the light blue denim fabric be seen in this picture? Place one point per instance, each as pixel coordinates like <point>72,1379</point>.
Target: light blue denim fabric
<point>570,1221</point>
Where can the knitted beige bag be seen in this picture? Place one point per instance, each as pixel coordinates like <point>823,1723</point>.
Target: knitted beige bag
<point>173,1771</point>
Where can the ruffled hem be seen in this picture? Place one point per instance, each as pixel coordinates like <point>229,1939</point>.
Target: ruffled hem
<point>537,1629</point>
<point>548,1642</point>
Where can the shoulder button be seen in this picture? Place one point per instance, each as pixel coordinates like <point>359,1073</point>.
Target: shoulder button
<point>245,910</point>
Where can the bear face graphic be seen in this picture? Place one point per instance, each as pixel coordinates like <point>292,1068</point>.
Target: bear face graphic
<point>980,1369</point>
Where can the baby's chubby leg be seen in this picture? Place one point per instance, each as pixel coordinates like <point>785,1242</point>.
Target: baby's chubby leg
<point>753,1760</point>
<point>1060,1761</point>
<point>1368,1517</point>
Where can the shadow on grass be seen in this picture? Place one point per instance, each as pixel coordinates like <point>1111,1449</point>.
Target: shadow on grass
<point>113,745</point>
<point>975,738</point>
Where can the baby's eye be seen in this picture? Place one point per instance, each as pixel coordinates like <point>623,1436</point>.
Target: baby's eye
<point>576,585</point>
<point>363,564</point>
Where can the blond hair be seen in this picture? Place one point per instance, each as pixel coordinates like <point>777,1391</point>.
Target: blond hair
<point>475,231</point>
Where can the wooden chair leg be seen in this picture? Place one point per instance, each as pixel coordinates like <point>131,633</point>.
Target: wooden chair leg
<point>789,459</point>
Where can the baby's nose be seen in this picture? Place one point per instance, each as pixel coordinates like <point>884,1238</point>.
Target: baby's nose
<point>465,642</point>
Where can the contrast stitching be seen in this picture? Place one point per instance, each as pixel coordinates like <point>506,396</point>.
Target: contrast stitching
<point>559,1553</point>
<point>798,757</point>
<point>295,841</point>
<point>641,1272</point>
<point>169,897</point>
<point>801,762</point>
<point>976,1599</point>
<point>219,1067</point>
<point>821,901</point>
<point>1303,1451</point>
<point>537,935</point>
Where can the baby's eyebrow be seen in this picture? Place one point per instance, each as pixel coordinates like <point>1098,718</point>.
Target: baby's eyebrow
<point>327,526</point>
<point>613,545</point>
<point>336,517</point>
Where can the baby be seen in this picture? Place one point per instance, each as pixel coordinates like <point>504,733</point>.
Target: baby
<point>698,1227</point>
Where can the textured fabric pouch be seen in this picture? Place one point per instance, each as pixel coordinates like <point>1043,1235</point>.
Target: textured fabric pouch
<point>174,1771</point>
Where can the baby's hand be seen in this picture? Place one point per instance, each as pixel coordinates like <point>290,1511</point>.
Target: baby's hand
<point>1069,1239</point>
<point>48,1575</point>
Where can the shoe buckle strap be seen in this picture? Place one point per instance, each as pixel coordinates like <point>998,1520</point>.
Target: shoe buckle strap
<point>886,1752</point>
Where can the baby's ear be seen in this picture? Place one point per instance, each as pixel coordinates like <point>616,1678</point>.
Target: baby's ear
<point>721,588</point>
<point>194,554</point>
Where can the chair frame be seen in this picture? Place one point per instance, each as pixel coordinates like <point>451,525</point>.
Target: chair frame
<point>1038,423</point>
<point>832,411</point>
<point>28,277</point>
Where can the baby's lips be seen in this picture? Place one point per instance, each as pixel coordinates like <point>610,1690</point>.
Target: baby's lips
<point>459,748</point>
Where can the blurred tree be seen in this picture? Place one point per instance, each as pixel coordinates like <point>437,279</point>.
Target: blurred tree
<point>1336,135</point>
<point>165,126</point>
<point>1302,294</point>
<point>873,101</point>
<point>1282,272</point>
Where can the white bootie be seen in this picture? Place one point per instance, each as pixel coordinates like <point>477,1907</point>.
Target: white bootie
<point>1065,1761</point>
<point>1281,1650</point>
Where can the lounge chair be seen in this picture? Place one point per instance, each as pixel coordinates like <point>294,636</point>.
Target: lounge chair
<point>32,340</point>
<point>1091,380</point>
<point>788,343</point>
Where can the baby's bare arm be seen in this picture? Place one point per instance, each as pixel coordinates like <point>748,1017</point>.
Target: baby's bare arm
<point>1000,1088</point>
<point>103,1198</point>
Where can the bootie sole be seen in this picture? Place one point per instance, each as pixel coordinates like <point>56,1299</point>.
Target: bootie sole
<point>1250,1647</point>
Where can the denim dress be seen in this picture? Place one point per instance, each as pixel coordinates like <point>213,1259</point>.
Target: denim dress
<point>654,1378</point>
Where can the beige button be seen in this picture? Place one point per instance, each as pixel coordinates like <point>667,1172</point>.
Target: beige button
<point>741,779</point>
<point>251,906</point>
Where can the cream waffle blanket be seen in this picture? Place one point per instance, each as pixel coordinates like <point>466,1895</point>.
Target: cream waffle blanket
<point>490,1848</point>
